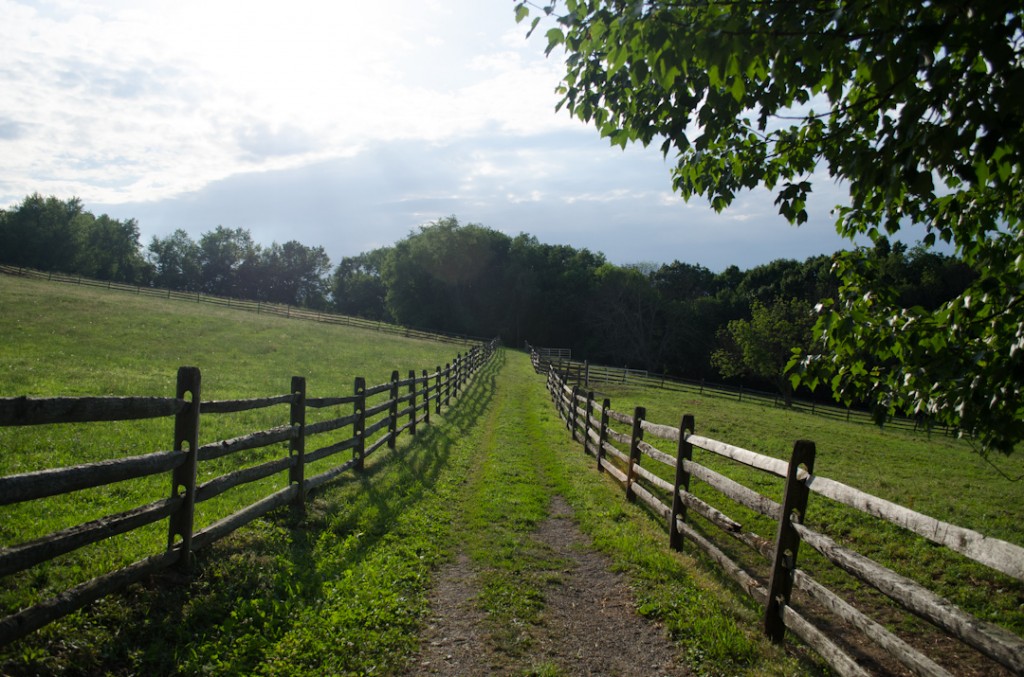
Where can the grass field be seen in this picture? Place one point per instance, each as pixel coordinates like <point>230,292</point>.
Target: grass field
<point>344,589</point>
<point>938,476</point>
<point>66,340</point>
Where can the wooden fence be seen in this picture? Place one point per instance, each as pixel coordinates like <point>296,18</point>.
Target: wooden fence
<point>628,458</point>
<point>589,376</point>
<point>379,415</point>
<point>259,307</point>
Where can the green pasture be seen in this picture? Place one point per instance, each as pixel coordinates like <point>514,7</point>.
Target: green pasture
<point>937,475</point>
<point>343,589</point>
<point>58,339</point>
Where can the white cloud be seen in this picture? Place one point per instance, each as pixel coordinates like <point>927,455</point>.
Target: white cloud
<point>338,123</point>
<point>164,97</point>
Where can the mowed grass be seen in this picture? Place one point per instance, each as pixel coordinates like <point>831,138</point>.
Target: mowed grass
<point>63,340</point>
<point>525,457</point>
<point>343,589</point>
<point>340,589</point>
<point>936,475</point>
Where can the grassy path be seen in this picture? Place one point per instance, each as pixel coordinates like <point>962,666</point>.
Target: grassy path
<point>548,570</point>
<point>526,593</point>
<point>551,567</point>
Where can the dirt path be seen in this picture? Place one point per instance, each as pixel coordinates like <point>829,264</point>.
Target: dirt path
<point>588,626</point>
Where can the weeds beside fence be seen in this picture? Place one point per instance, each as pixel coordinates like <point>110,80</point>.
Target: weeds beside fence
<point>258,307</point>
<point>379,415</point>
<point>627,456</point>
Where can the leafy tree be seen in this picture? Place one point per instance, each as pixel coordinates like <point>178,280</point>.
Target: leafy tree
<point>678,281</point>
<point>43,233</point>
<point>223,253</point>
<point>176,262</point>
<point>810,280</point>
<point>358,286</point>
<point>449,277</point>
<point>292,274</point>
<point>913,107</point>
<point>628,317</point>
<point>551,289</point>
<point>762,346</point>
<point>110,249</point>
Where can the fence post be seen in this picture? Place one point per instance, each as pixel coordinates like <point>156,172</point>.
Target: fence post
<point>426,397</point>
<point>183,479</point>
<point>412,402</point>
<point>787,542</point>
<point>684,454</point>
<point>437,392</point>
<point>297,445</point>
<point>588,412</point>
<point>393,412</point>
<point>564,384</point>
<point>586,379</point>
<point>556,393</point>
<point>573,409</point>
<point>602,436</point>
<point>447,382</point>
<point>358,428</point>
<point>457,366</point>
<point>634,450</point>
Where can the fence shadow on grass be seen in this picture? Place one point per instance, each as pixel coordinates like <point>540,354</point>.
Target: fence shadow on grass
<point>248,590</point>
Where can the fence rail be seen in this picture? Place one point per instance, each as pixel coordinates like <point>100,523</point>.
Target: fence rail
<point>588,376</point>
<point>642,481</point>
<point>259,307</point>
<point>424,394</point>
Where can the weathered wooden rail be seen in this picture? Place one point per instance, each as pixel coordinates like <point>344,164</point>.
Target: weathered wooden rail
<point>379,415</point>
<point>626,457</point>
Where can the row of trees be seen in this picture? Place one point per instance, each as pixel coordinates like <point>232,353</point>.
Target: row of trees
<point>59,235</point>
<point>51,234</point>
<point>677,318</point>
<point>227,262</point>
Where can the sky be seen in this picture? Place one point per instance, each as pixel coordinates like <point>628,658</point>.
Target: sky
<point>346,125</point>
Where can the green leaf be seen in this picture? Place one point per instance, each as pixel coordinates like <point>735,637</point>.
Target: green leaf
<point>737,89</point>
<point>714,76</point>
<point>555,37</point>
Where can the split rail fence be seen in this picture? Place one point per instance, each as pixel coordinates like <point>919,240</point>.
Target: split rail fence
<point>634,461</point>
<point>379,415</point>
<point>587,376</point>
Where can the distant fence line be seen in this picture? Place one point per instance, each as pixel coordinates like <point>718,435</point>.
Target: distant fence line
<point>407,402</point>
<point>259,307</point>
<point>592,423</point>
<point>585,375</point>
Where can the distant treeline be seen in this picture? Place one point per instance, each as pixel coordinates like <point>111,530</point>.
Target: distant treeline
<point>677,318</point>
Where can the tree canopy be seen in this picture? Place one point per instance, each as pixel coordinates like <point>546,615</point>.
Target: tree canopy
<point>913,107</point>
<point>762,345</point>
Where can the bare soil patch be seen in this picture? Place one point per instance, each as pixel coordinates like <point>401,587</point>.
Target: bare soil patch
<point>589,625</point>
